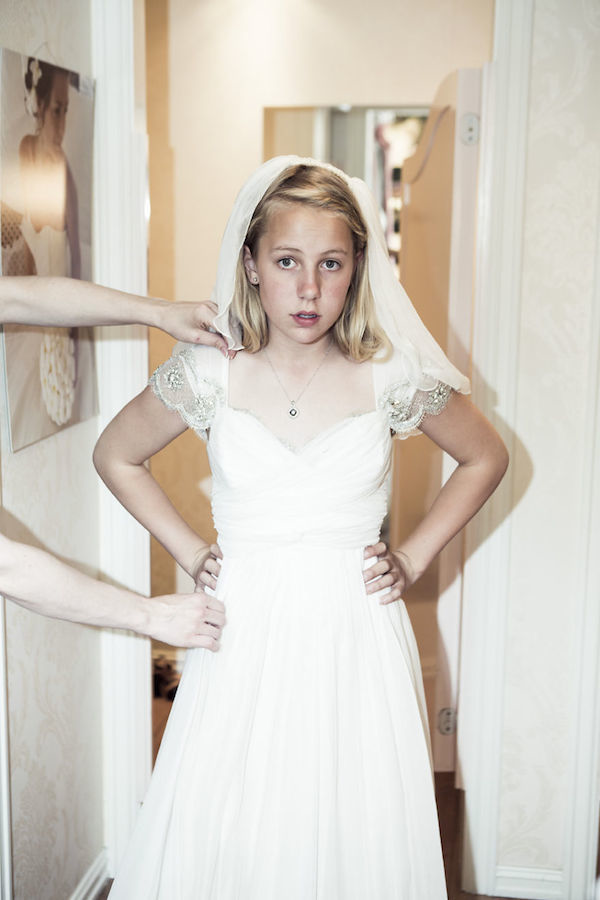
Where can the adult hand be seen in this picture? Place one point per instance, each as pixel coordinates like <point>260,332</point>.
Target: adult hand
<point>390,570</point>
<point>192,322</point>
<point>186,620</point>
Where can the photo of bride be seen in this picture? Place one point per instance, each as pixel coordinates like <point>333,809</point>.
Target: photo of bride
<point>46,132</point>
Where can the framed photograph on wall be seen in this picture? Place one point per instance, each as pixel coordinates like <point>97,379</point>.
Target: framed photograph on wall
<point>46,151</point>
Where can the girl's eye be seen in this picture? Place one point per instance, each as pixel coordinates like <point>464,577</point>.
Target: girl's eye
<point>286,262</point>
<point>331,265</point>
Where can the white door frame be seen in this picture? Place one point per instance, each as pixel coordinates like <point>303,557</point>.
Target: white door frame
<point>495,346</point>
<point>486,594</point>
<point>5,808</point>
<point>120,255</point>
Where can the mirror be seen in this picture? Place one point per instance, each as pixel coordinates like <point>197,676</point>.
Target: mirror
<point>366,142</point>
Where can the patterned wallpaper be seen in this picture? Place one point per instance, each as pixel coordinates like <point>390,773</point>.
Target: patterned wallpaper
<point>561,219</point>
<point>55,726</point>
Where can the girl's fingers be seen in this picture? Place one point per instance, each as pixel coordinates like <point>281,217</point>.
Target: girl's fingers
<point>207,579</point>
<point>395,594</point>
<point>385,581</point>
<point>375,550</point>
<point>212,565</point>
<point>380,568</point>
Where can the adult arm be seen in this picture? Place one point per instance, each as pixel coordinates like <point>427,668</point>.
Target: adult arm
<point>463,432</point>
<point>40,582</point>
<point>140,430</point>
<point>70,302</point>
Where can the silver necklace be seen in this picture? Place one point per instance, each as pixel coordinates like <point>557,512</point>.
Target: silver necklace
<point>293,407</point>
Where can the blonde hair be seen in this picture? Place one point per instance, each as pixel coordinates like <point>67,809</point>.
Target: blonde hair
<point>356,333</point>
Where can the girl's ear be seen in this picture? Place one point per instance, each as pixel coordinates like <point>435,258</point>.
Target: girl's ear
<point>250,266</point>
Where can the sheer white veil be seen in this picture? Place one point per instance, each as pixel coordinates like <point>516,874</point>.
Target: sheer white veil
<point>422,361</point>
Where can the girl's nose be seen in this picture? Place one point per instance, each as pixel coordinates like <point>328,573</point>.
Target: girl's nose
<point>308,288</point>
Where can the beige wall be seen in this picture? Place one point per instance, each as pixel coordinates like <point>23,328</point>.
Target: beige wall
<point>50,497</point>
<point>560,281</point>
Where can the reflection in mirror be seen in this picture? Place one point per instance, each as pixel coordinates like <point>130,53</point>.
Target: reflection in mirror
<point>368,142</point>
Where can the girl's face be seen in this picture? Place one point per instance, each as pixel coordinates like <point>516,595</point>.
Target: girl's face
<point>304,263</point>
<point>55,114</point>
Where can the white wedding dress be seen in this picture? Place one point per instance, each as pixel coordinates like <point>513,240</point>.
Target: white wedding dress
<point>295,764</point>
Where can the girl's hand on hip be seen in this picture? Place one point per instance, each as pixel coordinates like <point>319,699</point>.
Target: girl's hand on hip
<point>207,568</point>
<point>392,571</point>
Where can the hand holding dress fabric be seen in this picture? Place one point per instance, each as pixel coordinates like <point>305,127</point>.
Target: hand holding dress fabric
<point>188,620</point>
<point>193,323</point>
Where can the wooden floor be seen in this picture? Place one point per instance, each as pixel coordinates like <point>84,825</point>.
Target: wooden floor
<point>450,812</point>
<point>449,802</point>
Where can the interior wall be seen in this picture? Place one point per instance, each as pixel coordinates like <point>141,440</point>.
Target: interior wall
<point>556,371</point>
<point>50,497</point>
<point>223,62</point>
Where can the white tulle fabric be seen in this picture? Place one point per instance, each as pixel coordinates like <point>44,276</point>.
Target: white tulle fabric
<point>420,360</point>
<point>296,762</point>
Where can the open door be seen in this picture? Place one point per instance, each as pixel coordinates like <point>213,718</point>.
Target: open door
<point>437,228</point>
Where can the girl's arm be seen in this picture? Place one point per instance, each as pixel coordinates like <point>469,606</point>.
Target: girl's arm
<point>36,580</point>
<point>139,431</point>
<point>70,302</point>
<point>463,432</point>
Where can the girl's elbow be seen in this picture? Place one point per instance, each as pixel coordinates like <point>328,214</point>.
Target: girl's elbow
<point>499,460</point>
<point>100,457</point>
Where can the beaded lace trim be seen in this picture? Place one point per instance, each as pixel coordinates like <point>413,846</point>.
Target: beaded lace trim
<point>196,403</point>
<point>406,406</point>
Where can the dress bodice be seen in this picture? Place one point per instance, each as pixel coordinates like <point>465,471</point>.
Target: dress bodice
<point>330,492</point>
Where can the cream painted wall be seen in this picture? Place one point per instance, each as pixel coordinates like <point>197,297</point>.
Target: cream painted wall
<point>53,667</point>
<point>559,278</point>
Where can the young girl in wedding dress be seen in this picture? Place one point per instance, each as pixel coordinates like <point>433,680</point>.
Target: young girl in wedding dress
<point>296,763</point>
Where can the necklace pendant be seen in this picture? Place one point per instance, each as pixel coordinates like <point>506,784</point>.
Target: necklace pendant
<point>292,411</point>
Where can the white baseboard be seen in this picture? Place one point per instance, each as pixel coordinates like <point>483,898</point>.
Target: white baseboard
<point>528,883</point>
<point>93,880</point>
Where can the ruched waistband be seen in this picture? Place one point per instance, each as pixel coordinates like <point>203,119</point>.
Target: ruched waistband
<point>242,545</point>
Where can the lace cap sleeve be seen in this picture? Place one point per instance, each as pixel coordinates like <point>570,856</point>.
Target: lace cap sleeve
<point>406,405</point>
<point>189,388</point>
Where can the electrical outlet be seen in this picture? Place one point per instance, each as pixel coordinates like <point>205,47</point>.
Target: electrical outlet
<point>446,721</point>
<point>469,129</point>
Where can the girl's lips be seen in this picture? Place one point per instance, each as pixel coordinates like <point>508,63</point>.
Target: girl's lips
<point>305,319</point>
